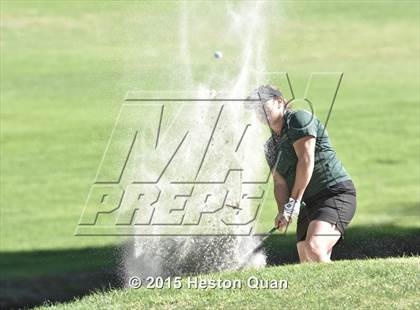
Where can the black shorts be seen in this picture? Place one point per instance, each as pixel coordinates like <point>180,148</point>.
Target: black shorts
<point>335,205</point>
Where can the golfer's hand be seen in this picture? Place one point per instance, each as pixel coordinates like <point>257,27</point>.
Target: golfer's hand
<point>291,210</point>
<point>280,221</point>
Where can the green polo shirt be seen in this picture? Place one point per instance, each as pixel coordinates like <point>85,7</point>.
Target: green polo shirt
<point>280,154</point>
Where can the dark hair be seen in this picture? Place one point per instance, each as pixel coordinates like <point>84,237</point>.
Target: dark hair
<point>263,93</point>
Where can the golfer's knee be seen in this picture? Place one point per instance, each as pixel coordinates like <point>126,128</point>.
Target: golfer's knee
<point>301,248</point>
<point>316,251</point>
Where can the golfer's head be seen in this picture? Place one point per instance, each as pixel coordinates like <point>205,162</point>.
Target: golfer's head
<point>268,103</point>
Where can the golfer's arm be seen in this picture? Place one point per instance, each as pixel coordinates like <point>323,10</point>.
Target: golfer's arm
<point>281,192</point>
<point>305,151</point>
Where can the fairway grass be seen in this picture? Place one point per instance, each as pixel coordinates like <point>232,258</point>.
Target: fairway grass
<point>362,284</point>
<point>65,77</point>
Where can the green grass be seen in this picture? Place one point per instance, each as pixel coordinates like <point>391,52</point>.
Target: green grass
<point>65,70</point>
<point>370,284</point>
<point>64,78</point>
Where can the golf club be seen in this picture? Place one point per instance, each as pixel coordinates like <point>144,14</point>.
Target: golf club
<point>258,247</point>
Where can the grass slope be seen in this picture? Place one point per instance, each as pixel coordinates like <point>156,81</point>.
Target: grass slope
<point>371,284</point>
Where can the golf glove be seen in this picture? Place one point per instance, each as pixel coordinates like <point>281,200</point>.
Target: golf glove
<point>291,209</point>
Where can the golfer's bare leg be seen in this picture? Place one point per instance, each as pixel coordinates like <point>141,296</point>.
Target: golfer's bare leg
<point>320,240</point>
<point>301,248</point>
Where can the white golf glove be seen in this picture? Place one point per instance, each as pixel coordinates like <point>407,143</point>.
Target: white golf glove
<point>291,209</point>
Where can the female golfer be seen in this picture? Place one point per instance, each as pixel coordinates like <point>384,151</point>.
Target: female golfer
<point>305,168</point>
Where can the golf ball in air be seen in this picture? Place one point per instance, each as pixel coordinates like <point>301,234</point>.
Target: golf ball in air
<point>218,55</point>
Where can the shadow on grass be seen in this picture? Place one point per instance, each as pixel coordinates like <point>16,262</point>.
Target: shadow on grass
<point>360,242</point>
<point>30,279</point>
<point>34,278</point>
